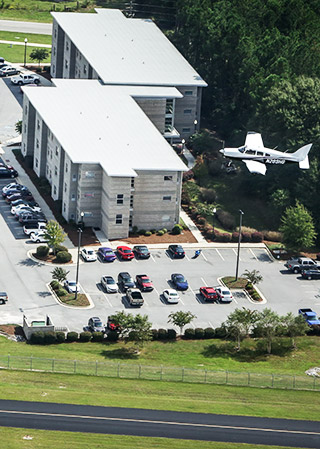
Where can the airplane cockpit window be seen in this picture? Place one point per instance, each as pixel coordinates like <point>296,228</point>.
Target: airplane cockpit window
<point>259,153</point>
<point>249,151</point>
<point>241,149</point>
<point>267,154</point>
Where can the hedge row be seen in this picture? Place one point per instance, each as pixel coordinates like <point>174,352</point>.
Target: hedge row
<point>49,338</point>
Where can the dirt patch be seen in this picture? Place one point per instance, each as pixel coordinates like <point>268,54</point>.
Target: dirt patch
<point>12,329</point>
<point>184,237</point>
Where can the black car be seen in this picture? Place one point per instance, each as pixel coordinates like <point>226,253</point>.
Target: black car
<point>176,251</point>
<point>31,217</point>
<point>125,280</point>
<point>6,172</point>
<point>310,274</point>
<point>27,203</point>
<point>25,195</point>
<point>141,251</point>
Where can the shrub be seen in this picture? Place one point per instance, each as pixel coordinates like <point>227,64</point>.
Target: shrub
<point>222,237</point>
<point>97,336</point>
<point>38,69</point>
<point>85,336</point>
<point>199,333</point>
<point>160,232</point>
<point>201,220</point>
<point>50,338</point>
<point>42,251</point>
<point>257,237</point>
<point>272,236</point>
<point>226,219</point>
<point>61,292</point>
<point>189,333</point>
<point>155,334</point>
<point>176,229</point>
<point>247,229</point>
<point>172,334</point>
<point>209,332</point>
<point>141,231</point>
<point>235,237</point>
<point>59,248</point>
<point>245,237</point>
<point>61,337</point>
<point>148,233</point>
<point>135,230</point>
<point>112,336</point>
<point>255,295</point>
<point>249,286</point>
<point>220,332</point>
<point>188,175</point>
<point>153,231</point>
<point>37,338</point>
<point>162,334</point>
<point>165,230</point>
<point>55,285</point>
<point>72,336</point>
<point>214,168</point>
<point>208,195</point>
<point>63,257</point>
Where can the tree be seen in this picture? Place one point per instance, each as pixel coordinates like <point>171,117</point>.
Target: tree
<point>267,325</point>
<point>254,276</point>
<point>54,234</point>
<point>181,319</point>
<point>134,328</point>
<point>239,324</point>
<point>39,54</point>
<point>60,274</point>
<point>297,227</point>
<point>296,326</point>
<point>18,127</point>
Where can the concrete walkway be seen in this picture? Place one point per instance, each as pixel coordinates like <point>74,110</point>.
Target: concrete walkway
<point>190,159</point>
<point>192,227</point>
<point>30,44</point>
<point>26,27</point>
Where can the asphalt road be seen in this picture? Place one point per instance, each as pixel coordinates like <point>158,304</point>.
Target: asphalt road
<point>159,423</point>
<point>26,27</point>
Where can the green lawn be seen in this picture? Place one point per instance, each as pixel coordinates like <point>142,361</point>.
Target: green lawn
<point>16,53</point>
<point>90,390</point>
<point>13,439</point>
<point>205,354</point>
<point>20,37</point>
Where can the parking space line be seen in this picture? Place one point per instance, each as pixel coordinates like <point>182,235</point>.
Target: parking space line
<point>181,301</point>
<point>236,253</point>
<point>253,254</point>
<point>192,290</point>
<point>107,299</point>
<point>187,258</point>
<point>219,254</point>
<point>204,256</point>
<point>235,300</point>
<point>152,258</point>
<point>206,285</point>
<point>156,291</point>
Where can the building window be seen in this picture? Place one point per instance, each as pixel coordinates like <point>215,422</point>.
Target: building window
<point>49,133</point>
<point>66,64</point>
<point>85,69</point>
<point>188,92</point>
<point>132,183</point>
<point>168,178</point>
<point>165,218</point>
<point>67,46</point>
<point>51,136</point>
<point>119,219</point>
<point>54,190</point>
<point>130,221</point>
<point>72,216</point>
<point>57,151</point>
<point>169,106</point>
<point>73,197</point>
<point>36,163</point>
<point>166,198</point>
<point>65,186</point>
<point>26,109</point>
<point>88,195</point>
<point>74,177</point>
<point>120,198</point>
<point>55,170</point>
<point>50,154</point>
<point>53,68</point>
<point>64,207</point>
<point>25,128</point>
<point>185,130</point>
<point>54,51</point>
<point>37,143</point>
<point>187,111</point>
<point>168,124</point>
<point>38,124</point>
<point>90,174</point>
<point>50,174</point>
<point>47,169</point>
<point>88,214</point>
<point>131,201</point>
<point>55,32</point>
<point>66,168</point>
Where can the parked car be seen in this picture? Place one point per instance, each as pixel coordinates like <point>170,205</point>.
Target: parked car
<point>8,186</point>
<point>3,64</point>
<point>176,251</point>
<point>224,294</point>
<point>32,217</point>
<point>109,284</point>
<point>7,172</point>
<point>134,297</point>
<point>209,293</point>
<point>95,324</point>
<point>24,206</point>
<point>144,283</point>
<point>310,317</point>
<point>106,254</point>
<point>171,296</point>
<point>179,281</point>
<point>301,263</point>
<point>15,187</point>
<point>30,228</point>
<point>38,237</point>
<point>8,70</point>
<point>125,252</point>
<point>310,274</point>
<point>112,325</point>
<point>26,203</point>
<point>25,79</point>
<point>71,286</point>
<point>125,280</point>
<point>141,251</point>
<point>22,210</point>
<point>88,255</point>
<point>3,297</point>
<point>26,195</point>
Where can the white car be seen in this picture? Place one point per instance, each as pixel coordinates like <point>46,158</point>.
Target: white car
<point>24,207</point>
<point>8,186</point>
<point>109,284</point>
<point>31,228</point>
<point>224,294</point>
<point>88,255</point>
<point>38,237</point>
<point>171,295</point>
<point>71,286</point>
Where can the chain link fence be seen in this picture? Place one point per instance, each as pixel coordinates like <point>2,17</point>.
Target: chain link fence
<point>161,373</point>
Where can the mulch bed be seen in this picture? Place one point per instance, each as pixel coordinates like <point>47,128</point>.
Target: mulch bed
<point>50,258</point>
<point>184,237</point>
<point>12,329</point>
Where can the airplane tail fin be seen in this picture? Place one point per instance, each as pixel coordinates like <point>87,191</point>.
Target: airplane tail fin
<point>302,156</point>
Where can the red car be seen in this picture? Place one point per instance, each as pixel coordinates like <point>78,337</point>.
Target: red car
<point>209,294</point>
<point>125,252</point>
<point>144,283</point>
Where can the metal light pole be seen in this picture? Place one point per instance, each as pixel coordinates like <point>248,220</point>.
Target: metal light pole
<point>25,51</point>
<point>78,258</point>
<point>239,240</point>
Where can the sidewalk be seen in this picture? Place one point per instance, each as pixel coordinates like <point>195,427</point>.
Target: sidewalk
<point>29,44</point>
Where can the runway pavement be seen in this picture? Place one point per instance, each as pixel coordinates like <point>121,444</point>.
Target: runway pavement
<point>159,423</point>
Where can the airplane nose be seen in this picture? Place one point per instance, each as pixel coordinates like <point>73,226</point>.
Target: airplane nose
<point>221,151</point>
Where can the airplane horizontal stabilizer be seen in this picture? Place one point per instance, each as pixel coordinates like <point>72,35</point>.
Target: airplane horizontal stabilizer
<point>304,164</point>
<point>256,167</point>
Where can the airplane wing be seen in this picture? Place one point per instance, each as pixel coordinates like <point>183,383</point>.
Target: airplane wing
<point>254,141</point>
<point>256,167</point>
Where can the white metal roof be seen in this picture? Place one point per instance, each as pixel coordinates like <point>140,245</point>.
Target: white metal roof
<point>102,124</point>
<point>127,51</point>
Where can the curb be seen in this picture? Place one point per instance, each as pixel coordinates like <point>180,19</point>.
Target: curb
<point>56,298</point>
<point>41,262</point>
<point>264,301</point>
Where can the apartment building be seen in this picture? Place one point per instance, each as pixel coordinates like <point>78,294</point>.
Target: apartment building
<point>102,150</point>
<point>125,51</point>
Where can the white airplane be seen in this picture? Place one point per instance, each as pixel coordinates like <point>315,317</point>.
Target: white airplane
<point>255,155</point>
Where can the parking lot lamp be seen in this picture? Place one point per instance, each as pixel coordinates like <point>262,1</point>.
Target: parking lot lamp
<point>25,51</point>
<point>80,228</point>
<point>239,240</point>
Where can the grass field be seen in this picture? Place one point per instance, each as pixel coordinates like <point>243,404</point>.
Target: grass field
<point>209,354</point>
<point>176,396</point>
<point>16,53</point>
<point>13,439</point>
<point>20,37</point>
